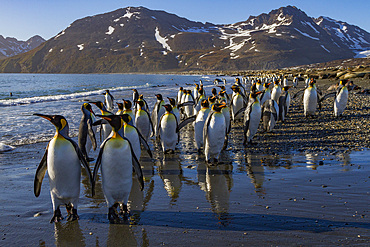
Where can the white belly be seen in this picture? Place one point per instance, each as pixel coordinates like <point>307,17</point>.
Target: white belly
<point>133,137</point>
<point>64,172</point>
<point>168,132</point>
<point>310,101</point>
<point>143,124</point>
<point>340,102</point>
<point>275,94</point>
<point>116,171</point>
<point>198,127</point>
<point>238,104</point>
<point>254,121</point>
<point>215,137</point>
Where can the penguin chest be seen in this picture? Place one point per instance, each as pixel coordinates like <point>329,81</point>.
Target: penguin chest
<point>254,119</point>
<point>310,100</point>
<point>116,166</point>
<point>238,103</point>
<point>168,131</point>
<point>276,92</point>
<point>340,101</point>
<point>216,133</point>
<point>64,168</point>
<point>132,135</point>
<point>199,125</point>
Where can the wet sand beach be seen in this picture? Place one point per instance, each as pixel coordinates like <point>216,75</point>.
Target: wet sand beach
<point>304,184</point>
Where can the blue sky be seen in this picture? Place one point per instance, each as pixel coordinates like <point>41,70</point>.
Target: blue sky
<point>23,19</point>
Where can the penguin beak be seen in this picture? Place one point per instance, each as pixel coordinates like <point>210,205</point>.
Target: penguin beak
<point>259,92</point>
<point>105,117</point>
<point>48,117</point>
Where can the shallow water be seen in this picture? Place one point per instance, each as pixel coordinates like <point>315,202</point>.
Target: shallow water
<point>249,198</point>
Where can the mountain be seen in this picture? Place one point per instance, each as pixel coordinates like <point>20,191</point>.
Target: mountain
<point>10,46</point>
<point>137,39</point>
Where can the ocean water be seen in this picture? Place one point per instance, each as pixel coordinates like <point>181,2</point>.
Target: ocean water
<point>64,94</point>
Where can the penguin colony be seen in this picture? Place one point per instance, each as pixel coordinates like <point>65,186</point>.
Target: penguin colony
<point>125,133</point>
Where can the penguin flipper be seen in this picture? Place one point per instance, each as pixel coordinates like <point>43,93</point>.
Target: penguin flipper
<point>188,103</point>
<point>40,173</point>
<point>246,121</point>
<point>146,105</point>
<point>150,121</point>
<point>298,93</point>
<point>328,95</point>
<point>98,160</point>
<point>205,128</point>
<point>238,112</point>
<point>91,134</point>
<point>84,163</point>
<point>185,122</point>
<point>137,167</point>
<point>144,142</point>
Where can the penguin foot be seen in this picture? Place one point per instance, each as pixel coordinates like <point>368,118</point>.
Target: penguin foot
<point>112,216</point>
<point>73,216</point>
<point>57,216</point>
<point>123,210</point>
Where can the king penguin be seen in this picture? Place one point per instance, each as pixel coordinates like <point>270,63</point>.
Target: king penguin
<point>175,110</point>
<point>134,136</point>
<point>143,121</point>
<point>105,129</point>
<point>237,103</point>
<point>270,113</point>
<point>340,100</point>
<point>62,159</point>
<point>199,124</point>
<point>108,100</point>
<point>117,158</point>
<point>135,97</point>
<point>179,95</point>
<point>86,130</point>
<point>284,103</point>
<point>127,110</point>
<point>167,129</point>
<point>157,112</point>
<point>252,117</point>
<point>310,99</point>
<point>276,91</point>
<point>266,95</point>
<point>214,133</point>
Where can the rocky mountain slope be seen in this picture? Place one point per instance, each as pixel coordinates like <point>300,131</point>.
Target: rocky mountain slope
<point>11,46</point>
<point>143,40</point>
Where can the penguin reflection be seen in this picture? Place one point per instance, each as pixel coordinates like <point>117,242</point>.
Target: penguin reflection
<point>121,235</point>
<point>171,173</point>
<point>218,184</point>
<point>256,172</point>
<point>68,234</point>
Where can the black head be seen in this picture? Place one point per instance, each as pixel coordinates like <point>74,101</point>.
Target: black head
<point>58,121</point>
<point>172,101</point>
<point>159,97</point>
<point>168,107</point>
<point>127,104</point>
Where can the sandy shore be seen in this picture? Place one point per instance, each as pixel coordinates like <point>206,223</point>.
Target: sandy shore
<point>305,184</point>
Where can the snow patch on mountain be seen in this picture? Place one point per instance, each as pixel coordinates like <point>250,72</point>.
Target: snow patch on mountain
<point>362,54</point>
<point>161,40</point>
<point>305,34</point>
<point>110,30</point>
